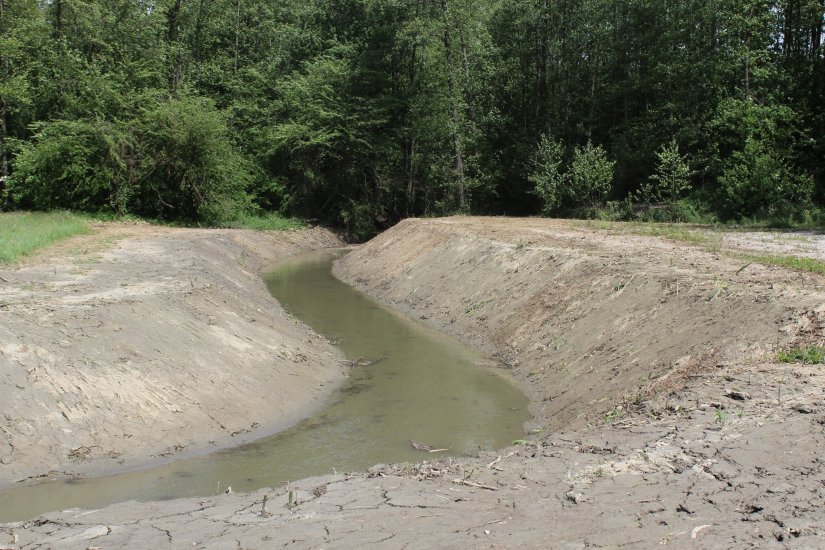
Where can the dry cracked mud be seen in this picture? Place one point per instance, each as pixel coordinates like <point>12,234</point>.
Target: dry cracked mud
<point>661,414</point>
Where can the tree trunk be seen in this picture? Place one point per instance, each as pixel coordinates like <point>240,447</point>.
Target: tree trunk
<point>541,70</point>
<point>4,167</point>
<point>58,18</point>
<point>172,20</point>
<point>457,147</point>
<point>4,170</point>
<point>237,33</point>
<point>177,54</point>
<point>410,177</point>
<point>197,48</point>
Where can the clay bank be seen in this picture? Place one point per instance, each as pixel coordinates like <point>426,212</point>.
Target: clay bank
<point>661,413</point>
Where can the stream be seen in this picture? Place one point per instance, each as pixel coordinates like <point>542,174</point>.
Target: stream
<point>410,383</point>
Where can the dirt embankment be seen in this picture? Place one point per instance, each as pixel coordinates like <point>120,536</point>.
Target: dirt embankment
<point>724,450</point>
<point>588,321</point>
<point>137,343</point>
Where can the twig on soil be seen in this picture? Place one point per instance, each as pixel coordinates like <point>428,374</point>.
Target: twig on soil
<point>460,481</point>
<point>743,268</point>
<point>499,459</point>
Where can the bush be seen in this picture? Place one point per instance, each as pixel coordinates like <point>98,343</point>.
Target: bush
<point>80,165</point>
<point>591,175</point>
<point>758,182</point>
<point>547,176</point>
<point>192,170</point>
<point>583,186</point>
<point>672,177</point>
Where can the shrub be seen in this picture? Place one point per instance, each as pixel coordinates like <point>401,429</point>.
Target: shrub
<point>758,182</point>
<point>192,170</point>
<point>591,175</point>
<point>82,165</point>
<point>547,176</point>
<point>672,177</point>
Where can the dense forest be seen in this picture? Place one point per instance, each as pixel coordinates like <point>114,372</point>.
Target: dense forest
<point>360,112</point>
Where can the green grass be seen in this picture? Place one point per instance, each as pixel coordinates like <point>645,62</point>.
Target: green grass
<point>810,355</point>
<point>799,263</point>
<point>22,233</point>
<point>688,233</point>
<point>271,221</point>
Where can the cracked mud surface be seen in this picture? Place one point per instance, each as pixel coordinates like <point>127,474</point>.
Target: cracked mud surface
<point>138,343</point>
<point>666,474</point>
<point>668,423</point>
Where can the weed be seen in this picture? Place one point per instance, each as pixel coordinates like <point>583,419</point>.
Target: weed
<point>809,355</point>
<point>520,442</point>
<point>720,417</point>
<point>614,414</point>
<point>473,308</point>
<point>721,283</point>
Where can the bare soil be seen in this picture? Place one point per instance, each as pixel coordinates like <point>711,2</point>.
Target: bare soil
<point>139,343</point>
<point>662,416</point>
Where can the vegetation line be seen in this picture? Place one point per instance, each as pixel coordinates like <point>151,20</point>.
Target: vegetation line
<point>359,113</point>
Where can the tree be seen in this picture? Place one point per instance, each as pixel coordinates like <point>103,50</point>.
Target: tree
<point>547,175</point>
<point>672,177</point>
<point>591,175</point>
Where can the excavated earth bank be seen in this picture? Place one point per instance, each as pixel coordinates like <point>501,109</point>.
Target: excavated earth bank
<point>138,343</point>
<point>662,416</point>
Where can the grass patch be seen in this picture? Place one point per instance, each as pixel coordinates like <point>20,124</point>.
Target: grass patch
<point>810,355</point>
<point>799,263</point>
<point>22,233</point>
<point>271,221</point>
<point>708,238</point>
<point>692,234</point>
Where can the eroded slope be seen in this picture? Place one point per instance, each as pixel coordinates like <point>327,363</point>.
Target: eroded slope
<point>588,320</point>
<point>139,342</point>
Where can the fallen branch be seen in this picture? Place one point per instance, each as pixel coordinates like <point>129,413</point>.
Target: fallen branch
<point>499,459</point>
<point>460,481</point>
<point>425,447</point>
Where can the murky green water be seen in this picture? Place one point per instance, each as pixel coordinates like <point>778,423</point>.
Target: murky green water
<point>424,387</point>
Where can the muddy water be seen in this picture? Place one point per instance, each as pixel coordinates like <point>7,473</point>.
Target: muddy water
<point>422,386</point>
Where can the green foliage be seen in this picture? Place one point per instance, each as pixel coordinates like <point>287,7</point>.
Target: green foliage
<point>547,176</point>
<point>591,175</point>
<point>271,221</point>
<point>758,181</point>
<point>800,263</point>
<point>672,177</point>
<point>360,112</point>
<point>755,164</point>
<point>810,355</point>
<point>82,165</point>
<point>23,233</point>
<point>192,170</point>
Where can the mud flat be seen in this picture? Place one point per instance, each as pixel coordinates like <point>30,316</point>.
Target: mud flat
<point>662,416</point>
<point>137,344</point>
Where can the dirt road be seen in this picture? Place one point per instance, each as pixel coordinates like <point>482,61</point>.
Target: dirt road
<point>662,414</point>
